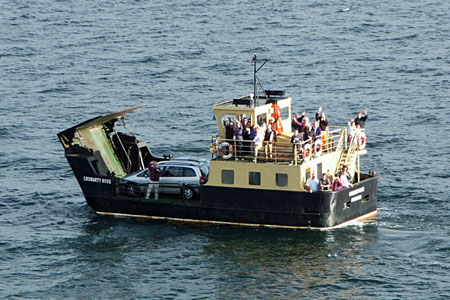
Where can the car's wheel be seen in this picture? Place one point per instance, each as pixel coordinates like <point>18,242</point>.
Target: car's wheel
<point>188,193</point>
<point>132,190</point>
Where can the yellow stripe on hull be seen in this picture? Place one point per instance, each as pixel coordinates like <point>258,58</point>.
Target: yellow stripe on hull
<point>208,222</point>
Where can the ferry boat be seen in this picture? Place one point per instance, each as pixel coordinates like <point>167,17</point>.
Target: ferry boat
<point>246,185</point>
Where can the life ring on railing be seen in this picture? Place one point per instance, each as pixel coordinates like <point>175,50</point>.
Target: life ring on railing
<point>317,148</point>
<point>229,150</point>
<point>307,151</point>
<point>362,142</point>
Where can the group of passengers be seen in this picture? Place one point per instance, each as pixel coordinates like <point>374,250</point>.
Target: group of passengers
<point>328,181</point>
<point>356,128</point>
<point>304,130</point>
<point>249,137</point>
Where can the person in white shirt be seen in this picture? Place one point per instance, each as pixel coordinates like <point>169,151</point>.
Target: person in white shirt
<point>312,184</point>
<point>345,178</point>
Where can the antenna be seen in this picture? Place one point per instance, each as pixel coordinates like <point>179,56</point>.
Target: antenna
<point>256,80</point>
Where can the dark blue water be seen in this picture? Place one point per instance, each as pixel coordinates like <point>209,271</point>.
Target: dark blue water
<point>62,62</point>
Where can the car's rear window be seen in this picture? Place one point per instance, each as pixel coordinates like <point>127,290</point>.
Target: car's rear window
<point>188,172</point>
<point>204,169</point>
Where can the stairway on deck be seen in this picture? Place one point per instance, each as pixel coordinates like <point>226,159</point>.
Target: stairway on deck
<point>342,161</point>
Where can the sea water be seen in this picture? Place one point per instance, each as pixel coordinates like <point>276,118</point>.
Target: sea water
<point>63,62</point>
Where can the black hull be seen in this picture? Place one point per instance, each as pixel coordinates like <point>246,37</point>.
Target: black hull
<point>246,207</point>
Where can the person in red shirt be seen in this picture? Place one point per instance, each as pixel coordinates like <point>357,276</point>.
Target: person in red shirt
<point>337,185</point>
<point>155,173</point>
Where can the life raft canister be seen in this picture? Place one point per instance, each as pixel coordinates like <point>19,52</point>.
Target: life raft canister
<point>324,140</point>
<point>307,151</point>
<point>362,142</point>
<point>317,148</point>
<point>276,115</point>
<point>212,148</point>
<point>225,147</point>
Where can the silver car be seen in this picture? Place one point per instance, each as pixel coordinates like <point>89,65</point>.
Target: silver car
<point>182,176</point>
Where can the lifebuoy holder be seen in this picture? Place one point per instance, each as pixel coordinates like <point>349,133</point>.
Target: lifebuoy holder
<point>225,146</point>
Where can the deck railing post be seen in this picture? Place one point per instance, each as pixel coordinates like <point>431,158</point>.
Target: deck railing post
<point>276,154</point>
<point>295,153</point>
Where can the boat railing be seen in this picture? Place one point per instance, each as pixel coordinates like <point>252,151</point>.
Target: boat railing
<point>281,151</point>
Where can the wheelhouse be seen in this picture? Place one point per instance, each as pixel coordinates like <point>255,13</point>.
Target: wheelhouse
<point>289,167</point>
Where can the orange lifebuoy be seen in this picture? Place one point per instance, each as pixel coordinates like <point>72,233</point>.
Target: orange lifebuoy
<point>307,152</point>
<point>229,148</point>
<point>362,142</point>
<point>317,148</point>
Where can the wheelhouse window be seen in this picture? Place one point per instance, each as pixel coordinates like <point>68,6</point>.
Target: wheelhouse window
<point>254,178</point>
<point>227,117</point>
<point>285,113</point>
<point>227,176</point>
<point>281,179</point>
<point>261,119</point>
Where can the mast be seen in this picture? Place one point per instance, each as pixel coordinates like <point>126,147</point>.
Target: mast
<point>256,80</point>
<point>255,87</point>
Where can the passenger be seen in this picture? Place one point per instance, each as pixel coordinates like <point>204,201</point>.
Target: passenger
<point>297,122</point>
<point>238,139</point>
<point>362,120</point>
<point>247,140</point>
<point>257,141</point>
<point>351,130</point>
<point>252,138</point>
<point>345,178</point>
<point>329,175</point>
<point>269,137</point>
<point>312,184</point>
<point>229,129</point>
<point>155,173</point>
<point>244,119</point>
<point>319,113</point>
<point>317,131</point>
<point>308,131</point>
<point>272,124</point>
<point>296,141</point>
<point>337,185</point>
<point>252,132</point>
<point>323,121</point>
<point>324,182</point>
